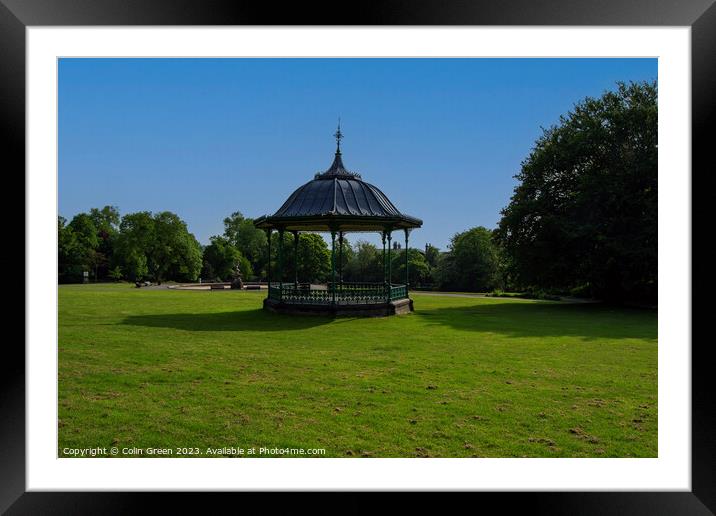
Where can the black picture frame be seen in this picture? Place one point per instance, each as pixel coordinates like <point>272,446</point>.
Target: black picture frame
<point>700,15</point>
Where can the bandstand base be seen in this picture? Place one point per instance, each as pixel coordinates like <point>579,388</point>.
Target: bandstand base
<point>397,307</point>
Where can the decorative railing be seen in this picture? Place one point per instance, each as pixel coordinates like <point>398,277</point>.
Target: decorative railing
<point>398,292</point>
<point>340,293</point>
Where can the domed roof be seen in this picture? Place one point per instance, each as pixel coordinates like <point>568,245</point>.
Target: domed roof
<point>338,200</point>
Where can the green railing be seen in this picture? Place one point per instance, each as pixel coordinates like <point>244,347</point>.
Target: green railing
<point>398,292</point>
<point>340,294</point>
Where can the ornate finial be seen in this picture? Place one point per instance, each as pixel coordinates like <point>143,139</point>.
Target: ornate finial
<point>337,168</point>
<point>338,134</point>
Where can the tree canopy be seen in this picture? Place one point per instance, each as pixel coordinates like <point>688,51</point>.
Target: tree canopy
<point>584,214</point>
<point>471,263</point>
<point>159,246</point>
<point>220,259</point>
<point>314,258</point>
<point>366,264</point>
<point>418,268</point>
<point>249,240</point>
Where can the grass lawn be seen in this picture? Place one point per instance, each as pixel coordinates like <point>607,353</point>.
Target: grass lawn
<point>460,377</point>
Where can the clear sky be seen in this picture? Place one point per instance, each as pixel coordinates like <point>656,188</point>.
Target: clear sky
<point>442,138</point>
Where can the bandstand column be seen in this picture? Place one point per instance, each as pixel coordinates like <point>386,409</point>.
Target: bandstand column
<point>295,259</point>
<point>333,267</point>
<point>280,263</point>
<point>340,257</point>
<point>385,279</point>
<point>406,259</point>
<point>268,266</point>
<point>390,265</point>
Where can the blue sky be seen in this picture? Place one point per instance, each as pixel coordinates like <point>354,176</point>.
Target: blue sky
<point>442,138</point>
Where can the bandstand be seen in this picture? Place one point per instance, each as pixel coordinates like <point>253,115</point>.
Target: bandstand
<point>337,202</point>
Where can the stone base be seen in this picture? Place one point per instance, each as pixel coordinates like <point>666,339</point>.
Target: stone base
<point>398,307</point>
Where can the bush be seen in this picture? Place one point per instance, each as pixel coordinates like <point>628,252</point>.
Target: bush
<point>581,291</point>
<point>538,293</point>
<point>116,273</point>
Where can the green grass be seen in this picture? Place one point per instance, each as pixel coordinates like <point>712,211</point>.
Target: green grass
<point>460,377</point>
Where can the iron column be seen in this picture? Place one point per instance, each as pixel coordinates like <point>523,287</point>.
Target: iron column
<point>333,267</point>
<point>385,280</point>
<point>340,259</point>
<point>295,259</point>
<point>406,259</point>
<point>280,263</point>
<point>268,267</point>
<point>390,265</point>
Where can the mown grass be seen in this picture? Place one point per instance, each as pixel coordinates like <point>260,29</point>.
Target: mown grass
<point>460,377</point>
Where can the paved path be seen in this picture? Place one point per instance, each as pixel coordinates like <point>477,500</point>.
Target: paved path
<point>443,294</point>
<point>563,299</point>
<point>206,287</point>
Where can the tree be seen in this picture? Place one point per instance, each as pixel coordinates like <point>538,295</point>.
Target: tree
<point>584,214</point>
<point>136,231</point>
<point>116,273</point>
<point>86,244</point>
<point>432,255</point>
<point>471,264</point>
<point>220,259</point>
<point>248,239</point>
<point>86,255</point>
<point>314,258</point>
<point>69,266</point>
<point>247,271</point>
<point>85,231</point>
<point>418,268</point>
<point>445,272</point>
<point>173,248</point>
<point>366,263</point>
<point>159,246</point>
<point>106,222</point>
<point>343,258</point>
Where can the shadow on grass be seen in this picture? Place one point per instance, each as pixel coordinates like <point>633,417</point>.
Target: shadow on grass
<point>588,321</point>
<point>245,320</point>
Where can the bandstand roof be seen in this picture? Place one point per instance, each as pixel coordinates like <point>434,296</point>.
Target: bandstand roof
<point>337,200</point>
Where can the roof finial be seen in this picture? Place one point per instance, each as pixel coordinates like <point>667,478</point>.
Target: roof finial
<point>338,134</point>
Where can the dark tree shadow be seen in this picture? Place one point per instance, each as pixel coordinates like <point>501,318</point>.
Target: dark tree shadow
<point>543,319</point>
<point>244,320</point>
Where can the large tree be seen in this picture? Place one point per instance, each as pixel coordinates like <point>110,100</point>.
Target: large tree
<point>314,258</point>
<point>86,244</point>
<point>584,214</point>
<point>106,222</point>
<point>220,259</point>
<point>159,246</point>
<point>418,268</point>
<point>248,239</point>
<point>69,255</point>
<point>366,263</point>
<point>432,255</point>
<point>472,262</point>
<point>134,244</point>
<point>86,254</point>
